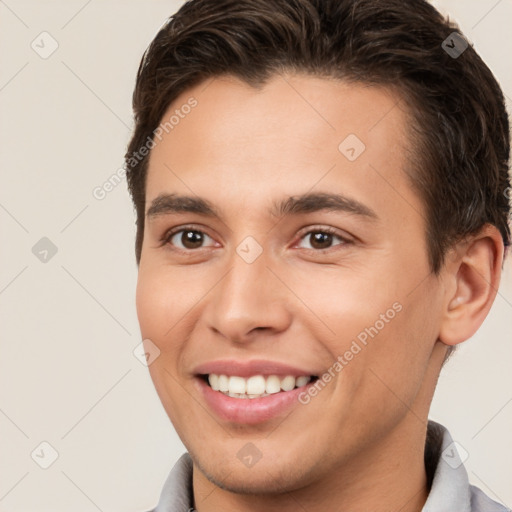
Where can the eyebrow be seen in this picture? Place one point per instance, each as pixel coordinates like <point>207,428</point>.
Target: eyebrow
<point>174,203</point>
<point>313,202</point>
<point>294,205</point>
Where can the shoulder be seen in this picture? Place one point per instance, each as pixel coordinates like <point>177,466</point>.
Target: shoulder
<point>450,489</point>
<point>177,491</point>
<point>480,502</point>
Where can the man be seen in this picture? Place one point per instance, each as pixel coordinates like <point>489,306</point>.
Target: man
<point>321,197</point>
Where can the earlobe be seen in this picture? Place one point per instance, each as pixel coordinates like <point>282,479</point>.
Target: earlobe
<point>476,272</point>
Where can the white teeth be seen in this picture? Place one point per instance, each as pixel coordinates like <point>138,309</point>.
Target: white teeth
<point>214,381</point>
<point>255,386</point>
<point>223,383</point>
<point>243,395</point>
<point>273,384</point>
<point>288,383</point>
<point>237,384</point>
<point>302,381</point>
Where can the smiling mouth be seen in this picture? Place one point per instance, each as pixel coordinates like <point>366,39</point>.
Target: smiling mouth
<point>256,386</point>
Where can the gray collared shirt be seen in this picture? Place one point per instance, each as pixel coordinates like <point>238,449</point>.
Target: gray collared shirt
<point>450,489</point>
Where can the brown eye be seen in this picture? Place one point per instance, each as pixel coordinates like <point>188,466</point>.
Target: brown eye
<point>322,239</point>
<point>187,239</point>
<point>191,239</point>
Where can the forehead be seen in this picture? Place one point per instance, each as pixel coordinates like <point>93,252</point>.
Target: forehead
<point>290,133</point>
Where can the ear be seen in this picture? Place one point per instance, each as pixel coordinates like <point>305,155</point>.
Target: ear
<point>472,277</point>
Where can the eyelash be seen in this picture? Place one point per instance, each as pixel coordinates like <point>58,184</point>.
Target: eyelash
<point>165,240</point>
<point>329,231</point>
<point>169,234</point>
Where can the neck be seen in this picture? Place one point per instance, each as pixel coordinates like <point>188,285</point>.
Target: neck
<point>389,476</point>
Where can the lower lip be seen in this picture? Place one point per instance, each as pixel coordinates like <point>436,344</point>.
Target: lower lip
<point>249,411</point>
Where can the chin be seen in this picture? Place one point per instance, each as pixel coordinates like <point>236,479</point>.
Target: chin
<point>264,478</point>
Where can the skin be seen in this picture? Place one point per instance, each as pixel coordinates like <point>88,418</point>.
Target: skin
<point>358,445</point>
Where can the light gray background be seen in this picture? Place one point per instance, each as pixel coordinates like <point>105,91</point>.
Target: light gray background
<point>68,375</point>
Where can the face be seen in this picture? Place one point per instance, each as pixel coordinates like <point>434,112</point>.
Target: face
<point>296,272</point>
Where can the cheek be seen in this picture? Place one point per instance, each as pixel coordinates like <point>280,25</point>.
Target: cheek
<point>398,359</point>
<point>150,302</point>
<point>162,301</point>
<point>343,303</point>
<point>160,310</point>
<point>369,317</point>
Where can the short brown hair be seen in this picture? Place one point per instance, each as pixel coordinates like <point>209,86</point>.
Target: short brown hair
<point>460,124</point>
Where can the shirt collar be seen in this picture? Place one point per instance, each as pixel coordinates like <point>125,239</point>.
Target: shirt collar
<point>177,492</point>
<point>450,485</point>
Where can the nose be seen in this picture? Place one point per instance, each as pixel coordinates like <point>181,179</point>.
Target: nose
<point>248,299</point>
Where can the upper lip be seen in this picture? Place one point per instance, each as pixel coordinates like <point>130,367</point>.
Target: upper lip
<point>248,368</point>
